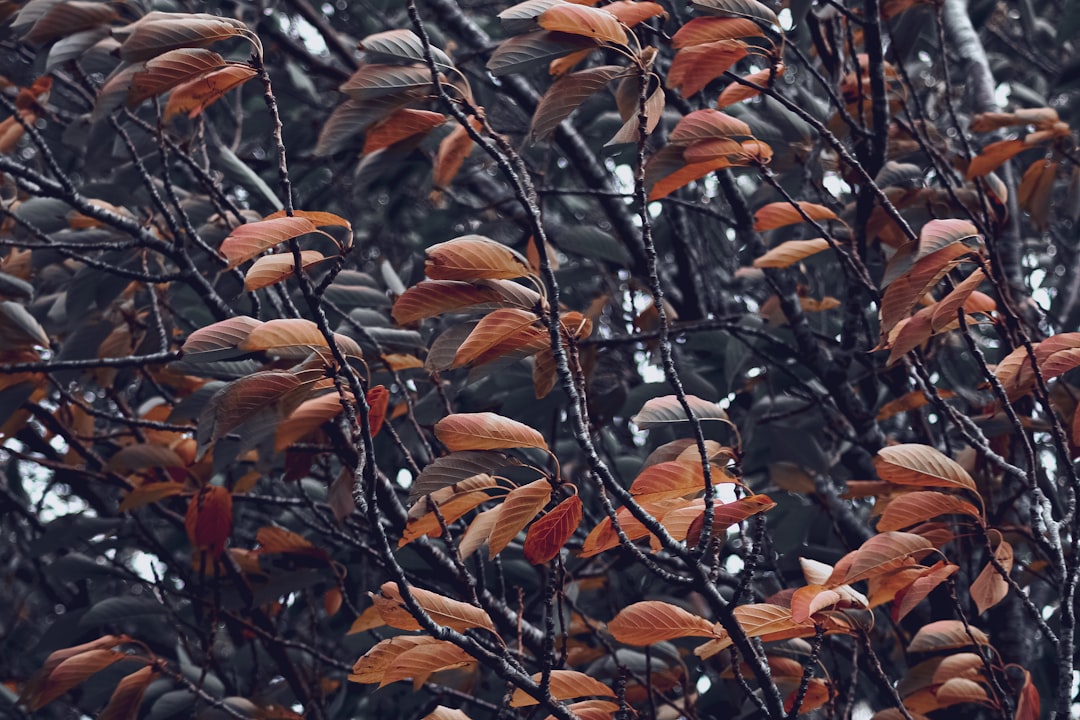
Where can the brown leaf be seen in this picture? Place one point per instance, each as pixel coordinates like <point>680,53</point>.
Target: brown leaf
<point>378,401</point>
<point>420,662</point>
<point>584,21</point>
<point>455,467</point>
<point>880,554</point>
<point>67,18</point>
<point>500,333</point>
<point>474,257</point>
<point>479,531</point>
<point>810,599</point>
<point>545,373</point>
<point>371,667</point>
<point>450,613</point>
<point>402,124</point>
<point>918,507</point>
<point>453,150</point>
<point>990,587</point>
<point>486,431</point>
<point>993,156</point>
<point>762,620</point>
<point>1027,705</point>
<point>695,67</point>
<point>272,269</point>
<point>435,297</point>
<point>903,293</point>
<point>283,336</point>
<point>518,509</point>
<point>780,214</point>
<point>671,480</point>
<point>788,253</point>
<point>922,465</point>
<point>209,519</point>
<point>128,695</point>
<point>158,32</point>
<point>564,684</point>
<point>453,503</point>
<point>724,516</point>
<point>948,306</point>
<point>702,30</point>
<point>737,92</point>
<point>566,94</point>
<point>961,690</point>
<point>163,73</point>
<point>653,621</point>
<point>251,239</point>
<point>310,415</point>
<point>945,635</point>
<point>547,535</point>
<point>667,409</point>
<point>938,234</point>
<point>373,81</point>
<point>220,339</point>
<point>907,598</point>
<point>72,672</point>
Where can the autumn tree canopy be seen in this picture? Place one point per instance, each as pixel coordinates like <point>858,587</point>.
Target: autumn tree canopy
<point>453,360</point>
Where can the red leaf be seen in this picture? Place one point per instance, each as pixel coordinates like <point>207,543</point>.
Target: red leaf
<point>209,519</point>
<point>547,535</point>
<point>378,400</point>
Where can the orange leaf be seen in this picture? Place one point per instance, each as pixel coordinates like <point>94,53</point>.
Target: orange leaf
<point>453,614</point>
<point>444,713</point>
<point>128,695</point>
<point>780,214</point>
<point>518,509</point>
<point>486,431</point>
<point>502,332</point>
<point>378,400</point>
<point>583,21</point>
<point>163,73</point>
<point>194,96</point>
<point>810,599</point>
<point>947,308</point>
<point>918,507</point>
<point>72,672</point>
<point>961,690</point>
<point>209,519</point>
<point>474,257</point>
<point>310,415</point>
<point>453,150</point>
<point>990,587</point>
<point>903,293</point>
<point>922,465</point>
<point>479,531</point>
<point>294,337</point>
<point>695,67</point>
<point>702,30</point>
<point>653,621</point>
<point>547,535</point>
<point>993,156</point>
<point>880,554</point>
<point>634,13</point>
<point>564,684</point>
<point>371,667</point>
<point>420,662</point>
<point>435,297</point>
<point>250,239</point>
<point>758,620</point>
<point>908,598</point>
<point>452,503</point>
<point>737,92</point>
<point>1027,705</point>
<point>272,269</point>
<point>788,253</point>
<point>402,124</point>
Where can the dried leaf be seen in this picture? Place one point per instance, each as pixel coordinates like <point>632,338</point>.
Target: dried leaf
<point>946,635</point>
<point>450,613</point>
<point>652,621</point>
<point>737,92</point>
<point>584,21</point>
<point>251,239</point>
<point>564,684</point>
<point>880,554</point>
<point>990,587</point>
<point>908,598</point>
<point>788,253</point>
<point>501,333</point>
<point>702,30</point>
<point>918,507</point>
<point>922,465</point>
<point>474,257</point>
<point>272,269</point>
<point>780,214</point>
<point>667,409</point>
<point>486,431</point>
<point>566,94</point>
<point>195,95</point>
<point>128,695</point>
<point>518,509</point>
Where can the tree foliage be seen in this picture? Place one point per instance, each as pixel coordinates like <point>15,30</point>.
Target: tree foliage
<point>564,359</point>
